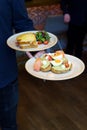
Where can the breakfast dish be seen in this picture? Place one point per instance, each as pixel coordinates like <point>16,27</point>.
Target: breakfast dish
<point>27,41</point>
<point>77,68</point>
<point>55,62</point>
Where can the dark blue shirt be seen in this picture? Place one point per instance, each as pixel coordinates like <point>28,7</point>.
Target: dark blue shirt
<point>13,15</point>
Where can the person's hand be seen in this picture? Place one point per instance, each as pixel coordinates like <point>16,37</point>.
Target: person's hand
<point>67,18</point>
<point>29,54</point>
<point>36,55</point>
<point>39,54</point>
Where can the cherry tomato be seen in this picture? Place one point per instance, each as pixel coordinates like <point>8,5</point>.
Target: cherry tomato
<point>66,64</point>
<point>49,58</point>
<point>39,42</point>
<point>45,42</point>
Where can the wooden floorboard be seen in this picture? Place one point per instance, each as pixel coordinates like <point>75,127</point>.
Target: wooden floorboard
<point>52,105</point>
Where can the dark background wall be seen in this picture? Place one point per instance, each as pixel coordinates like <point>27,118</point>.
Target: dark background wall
<point>40,2</point>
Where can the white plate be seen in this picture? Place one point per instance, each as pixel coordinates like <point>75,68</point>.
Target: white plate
<point>77,68</point>
<point>11,42</point>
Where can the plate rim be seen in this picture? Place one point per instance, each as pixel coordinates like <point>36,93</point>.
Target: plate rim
<point>43,47</point>
<point>66,78</point>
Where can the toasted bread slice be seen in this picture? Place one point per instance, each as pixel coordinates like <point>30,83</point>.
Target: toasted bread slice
<point>25,45</point>
<point>27,40</point>
<point>26,37</point>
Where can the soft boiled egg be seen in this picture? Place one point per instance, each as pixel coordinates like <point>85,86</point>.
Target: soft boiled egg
<point>58,55</point>
<point>56,62</point>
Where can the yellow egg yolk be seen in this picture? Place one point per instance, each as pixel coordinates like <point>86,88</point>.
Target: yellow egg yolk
<point>57,61</point>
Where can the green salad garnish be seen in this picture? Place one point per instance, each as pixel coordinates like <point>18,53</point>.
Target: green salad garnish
<point>42,36</point>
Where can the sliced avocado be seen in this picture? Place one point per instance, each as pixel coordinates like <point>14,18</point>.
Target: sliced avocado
<point>46,63</point>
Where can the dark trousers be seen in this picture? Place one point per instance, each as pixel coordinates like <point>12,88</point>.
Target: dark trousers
<point>8,106</point>
<point>8,119</point>
<point>75,36</point>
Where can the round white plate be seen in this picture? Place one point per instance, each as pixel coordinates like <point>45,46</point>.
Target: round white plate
<point>77,68</point>
<point>11,42</point>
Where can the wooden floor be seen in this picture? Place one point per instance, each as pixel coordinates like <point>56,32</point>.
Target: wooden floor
<point>52,105</point>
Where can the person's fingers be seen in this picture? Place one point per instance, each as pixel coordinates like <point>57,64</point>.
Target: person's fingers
<point>29,54</point>
<point>38,54</point>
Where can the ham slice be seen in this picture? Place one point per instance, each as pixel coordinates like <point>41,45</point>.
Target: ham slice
<point>37,64</point>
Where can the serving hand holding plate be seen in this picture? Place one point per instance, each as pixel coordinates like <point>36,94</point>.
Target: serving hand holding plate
<point>76,65</point>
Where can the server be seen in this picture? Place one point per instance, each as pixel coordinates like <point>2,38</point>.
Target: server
<point>75,13</point>
<point>13,15</point>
